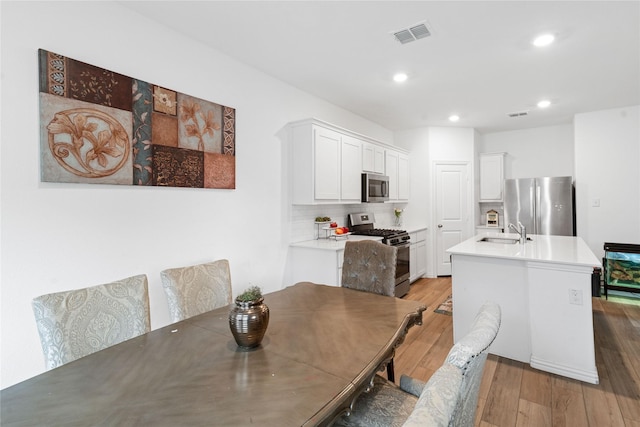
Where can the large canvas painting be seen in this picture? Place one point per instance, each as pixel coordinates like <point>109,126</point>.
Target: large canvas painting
<point>98,126</point>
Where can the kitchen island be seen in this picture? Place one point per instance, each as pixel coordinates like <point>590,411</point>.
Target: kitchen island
<point>544,290</point>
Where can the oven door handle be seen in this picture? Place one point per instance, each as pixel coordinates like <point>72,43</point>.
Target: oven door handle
<point>402,245</point>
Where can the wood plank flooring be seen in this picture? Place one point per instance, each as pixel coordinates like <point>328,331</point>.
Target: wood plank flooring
<point>514,394</point>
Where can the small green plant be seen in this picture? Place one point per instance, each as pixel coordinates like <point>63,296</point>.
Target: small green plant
<point>253,293</point>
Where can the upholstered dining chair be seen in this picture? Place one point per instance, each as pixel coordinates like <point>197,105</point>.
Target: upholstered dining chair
<point>370,266</point>
<point>197,289</point>
<point>449,398</point>
<point>73,324</point>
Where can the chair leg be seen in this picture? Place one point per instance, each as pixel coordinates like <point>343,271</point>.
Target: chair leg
<point>390,372</point>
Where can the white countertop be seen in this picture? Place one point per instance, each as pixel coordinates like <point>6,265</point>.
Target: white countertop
<point>332,244</point>
<point>554,249</point>
<point>410,228</point>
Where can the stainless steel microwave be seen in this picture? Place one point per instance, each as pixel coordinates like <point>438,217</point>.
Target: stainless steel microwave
<point>375,188</point>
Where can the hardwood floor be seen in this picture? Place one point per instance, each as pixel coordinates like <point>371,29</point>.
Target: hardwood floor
<point>514,394</point>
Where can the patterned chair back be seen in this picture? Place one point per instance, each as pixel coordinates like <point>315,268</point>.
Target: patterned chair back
<point>470,354</point>
<point>450,396</point>
<point>370,266</point>
<point>197,289</point>
<point>76,323</point>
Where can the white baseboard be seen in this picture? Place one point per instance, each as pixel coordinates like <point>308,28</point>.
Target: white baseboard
<point>589,376</point>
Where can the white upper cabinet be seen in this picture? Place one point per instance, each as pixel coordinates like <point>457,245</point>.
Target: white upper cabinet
<point>491,177</point>
<point>391,170</point>
<point>403,177</point>
<point>372,158</point>
<point>326,152</point>
<point>326,165</point>
<point>350,174</point>
<point>397,169</point>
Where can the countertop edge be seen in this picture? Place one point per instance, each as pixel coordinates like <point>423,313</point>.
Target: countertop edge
<point>576,254</point>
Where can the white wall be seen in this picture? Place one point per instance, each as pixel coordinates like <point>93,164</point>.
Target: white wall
<point>62,236</point>
<point>607,158</point>
<point>543,151</point>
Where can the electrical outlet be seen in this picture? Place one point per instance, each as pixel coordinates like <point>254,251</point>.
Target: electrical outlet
<point>575,296</point>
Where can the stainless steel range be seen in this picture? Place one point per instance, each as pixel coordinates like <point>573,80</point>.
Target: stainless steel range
<point>363,224</point>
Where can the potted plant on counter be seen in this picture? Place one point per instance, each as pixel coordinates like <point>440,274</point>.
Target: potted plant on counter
<point>249,318</point>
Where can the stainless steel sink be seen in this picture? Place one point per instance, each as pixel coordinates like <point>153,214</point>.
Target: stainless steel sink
<point>503,240</point>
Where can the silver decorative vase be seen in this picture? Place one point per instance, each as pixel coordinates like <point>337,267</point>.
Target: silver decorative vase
<point>248,322</point>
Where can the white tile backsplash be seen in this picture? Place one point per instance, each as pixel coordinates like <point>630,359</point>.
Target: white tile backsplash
<point>303,217</point>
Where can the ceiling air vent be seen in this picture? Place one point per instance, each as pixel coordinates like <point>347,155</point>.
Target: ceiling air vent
<point>415,32</point>
<point>518,114</point>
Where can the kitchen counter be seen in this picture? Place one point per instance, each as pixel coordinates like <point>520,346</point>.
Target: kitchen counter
<point>320,260</point>
<point>554,249</point>
<point>331,244</point>
<point>544,291</point>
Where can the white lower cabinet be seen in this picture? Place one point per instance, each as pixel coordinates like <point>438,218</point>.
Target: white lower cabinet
<point>317,266</point>
<point>319,261</point>
<point>418,254</point>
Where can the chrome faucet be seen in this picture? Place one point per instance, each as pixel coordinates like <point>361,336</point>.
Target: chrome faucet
<point>521,230</point>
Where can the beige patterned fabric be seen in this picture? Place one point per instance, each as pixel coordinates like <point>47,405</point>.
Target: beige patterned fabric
<point>470,354</point>
<point>438,400</point>
<point>76,323</point>
<point>197,289</point>
<point>412,385</point>
<point>386,405</point>
<point>450,396</point>
<point>370,266</point>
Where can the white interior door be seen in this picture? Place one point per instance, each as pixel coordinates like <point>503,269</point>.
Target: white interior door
<point>452,214</point>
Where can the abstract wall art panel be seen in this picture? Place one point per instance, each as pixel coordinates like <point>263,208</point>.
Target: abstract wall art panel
<point>101,127</point>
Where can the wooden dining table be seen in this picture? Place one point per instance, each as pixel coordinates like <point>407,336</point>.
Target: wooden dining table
<point>322,348</point>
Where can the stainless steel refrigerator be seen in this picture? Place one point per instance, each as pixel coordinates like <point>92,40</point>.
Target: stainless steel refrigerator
<point>543,205</point>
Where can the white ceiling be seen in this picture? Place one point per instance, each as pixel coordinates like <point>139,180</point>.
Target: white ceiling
<point>478,62</point>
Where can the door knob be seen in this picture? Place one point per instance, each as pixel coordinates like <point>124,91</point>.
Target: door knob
<point>439,225</point>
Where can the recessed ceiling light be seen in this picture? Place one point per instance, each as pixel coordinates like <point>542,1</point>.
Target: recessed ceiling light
<point>544,103</point>
<point>544,40</point>
<point>454,118</point>
<point>400,77</point>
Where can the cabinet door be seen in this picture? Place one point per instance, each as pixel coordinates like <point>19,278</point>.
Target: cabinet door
<point>327,164</point>
<point>378,159</point>
<point>421,259</point>
<point>413,263</point>
<point>340,261</point>
<point>397,169</point>
<point>391,170</point>
<point>368,157</point>
<point>372,158</point>
<point>350,175</point>
<point>491,177</point>
<point>403,177</point>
